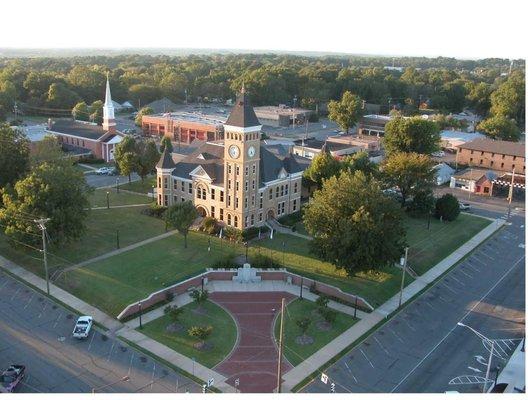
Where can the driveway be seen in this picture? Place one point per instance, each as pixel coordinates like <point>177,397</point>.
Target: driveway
<point>108,180</point>
<point>36,332</point>
<point>422,349</point>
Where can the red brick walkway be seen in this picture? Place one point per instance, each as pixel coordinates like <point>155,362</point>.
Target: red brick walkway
<point>254,358</point>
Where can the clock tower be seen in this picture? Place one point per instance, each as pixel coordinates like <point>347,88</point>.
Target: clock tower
<point>242,132</point>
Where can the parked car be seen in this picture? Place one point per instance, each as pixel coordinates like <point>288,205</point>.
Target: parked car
<point>440,153</point>
<point>464,206</point>
<point>102,171</point>
<point>82,327</point>
<point>11,378</point>
<point>112,171</point>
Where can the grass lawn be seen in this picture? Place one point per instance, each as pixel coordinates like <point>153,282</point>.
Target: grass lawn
<point>114,283</point>
<point>296,353</point>
<point>98,198</point>
<point>140,186</point>
<point>223,337</point>
<point>81,167</point>
<point>100,238</point>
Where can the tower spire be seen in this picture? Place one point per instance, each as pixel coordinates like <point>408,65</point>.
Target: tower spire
<point>108,109</point>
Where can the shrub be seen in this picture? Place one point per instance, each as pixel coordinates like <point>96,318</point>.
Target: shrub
<point>329,315</point>
<point>154,210</point>
<point>303,324</point>
<point>210,226</point>
<point>264,261</point>
<point>199,296</point>
<point>169,296</point>
<point>447,207</point>
<point>322,302</point>
<point>290,219</point>
<point>232,234</point>
<point>91,160</point>
<point>226,261</point>
<point>251,233</point>
<point>422,204</point>
<point>167,310</point>
<point>200,332</point>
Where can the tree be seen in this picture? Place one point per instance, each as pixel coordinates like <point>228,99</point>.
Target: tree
<point>174,313</point>
<point>447,207</point>
<point>52,190</point>
<point>353,225</point>
<point>125,155</point>
<point>411,173</point>
<point>60,96</point>
<point>423,203</point>
<point>48,150</point>
<point>360,161</point>
<point>199,296</point>
<point>96,112</point>
<point>410,135</point>
<point>509,98</point>
<point>200,332</point>
<point>14,155</point>
<point>181,216</point>
<point>501,128</point>
<point>166,143</point>
<point>143,111</point>
<point>479,98</point>
<point>323,166</point>
<point>321,302</point>
<point>147,157</point>
<point>347,112</point>
<point>303,324</point>
<point>81,111</point>
<point>329,315</point>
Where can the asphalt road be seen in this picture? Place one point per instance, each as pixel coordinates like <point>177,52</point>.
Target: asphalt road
<point>36,332</point>
<point>108,180</point>
<point>422,349</point>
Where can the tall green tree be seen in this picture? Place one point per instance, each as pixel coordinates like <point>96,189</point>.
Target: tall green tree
<point>360,161</point>
<point>166,143</point>
<point>96,112</point>
<point>500,127</point>
<point>147,157</point>
<point>411,135</point>
<point>14,155</point>
<point>125,155</point>
<point>181,216</point>
<point>323,166</point>
<point>81,111</point>
<point>354,226</point>
<point>60,96</point>
<point>509,98</point>
<point>52,190</point>
<point>346,112</point>
<point>48,150</point>
<point>411,173</point>
<point>143,111</point>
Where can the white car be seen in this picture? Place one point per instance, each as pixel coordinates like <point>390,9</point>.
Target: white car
<point>82,327</point>
<point>464,206</point>
<point>102,171</point>
<point>440,153</point>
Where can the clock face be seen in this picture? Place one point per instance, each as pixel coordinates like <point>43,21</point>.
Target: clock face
<point>251,151</point>
<point>234,151</point>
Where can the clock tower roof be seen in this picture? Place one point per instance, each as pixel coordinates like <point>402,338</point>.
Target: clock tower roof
<point>242,115</point>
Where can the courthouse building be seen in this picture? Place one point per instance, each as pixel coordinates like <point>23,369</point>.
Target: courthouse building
<point>238,180</point>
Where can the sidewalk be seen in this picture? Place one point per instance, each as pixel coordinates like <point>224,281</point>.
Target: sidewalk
<point>272,224</point>
<point>312,363</point>
<point>84,308</point>
<point>122,206</point>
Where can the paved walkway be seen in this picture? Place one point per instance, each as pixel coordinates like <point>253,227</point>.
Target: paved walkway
<point>272,224</point>
<point>122,206</point>
<point>312,363</point>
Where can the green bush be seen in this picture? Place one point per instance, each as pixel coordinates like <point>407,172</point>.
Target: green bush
<point>232,234</point>
<point>322,302</point>
<point>154,210</point>
<point>290,219</point>
<point>447,207</point>
<point>252,233</point>
<point>422,204</point>
<point>329,315</point>
<point>227,261</point>
<point>263,261</point>
<point>210,226</point>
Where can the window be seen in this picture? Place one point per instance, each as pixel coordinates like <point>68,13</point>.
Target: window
<point>165,183</point>
<point>252,200</point>
<point>228,168</point>
<point>221,195</point>
<point>165,200</point>
<point>228,219</point>
<point>277,191</point>
<point>502,165</point>
<point>253,184</point>
<point>199,193</point>
<point>514,158</point>
<point>175,184</point>
<point>229,184</point>
<point>271,194</point>
<point>261,199</point>
<point>246,186</point>
<point>228,200</point>
<point>246,171</point>
<point>236,202</point>
<point>236,221</point>
<point>491,164</point>
<point>294,205</point>
<point>246,221</point>
<point>245,203</point>
<point>159,181</point>
<point>182,186</point>
<point>254,168</point>
<point>481,153</point>
<point>470,160</point>
<point>513,166</point>
<point>237,186</point>
<point>212,211</point>
<point>260,217</point>
<point>503,156</point>
<point>204,194</point>
<point>252,219</point>
<point>237,170</point>
<point>190,187</point>
<point>221,214</point>
<point>182,199</point>
<point>486,189</point>
<point>159,199</point>
<point>175,198</point>
<point>286,190</point>
<point>212,194</point>
<point>282,190</point>
<point>295,187</point>
<point>480,161</point>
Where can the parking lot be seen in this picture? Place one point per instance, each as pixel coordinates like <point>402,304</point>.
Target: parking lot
<point>422,349</point>
<point>36,332</point>
<point>108,180</point>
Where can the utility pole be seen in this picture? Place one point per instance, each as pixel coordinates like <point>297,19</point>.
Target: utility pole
<point>281,340</point>
<point>510,194</point>
<point>403,276</point>
<point>42,225</point>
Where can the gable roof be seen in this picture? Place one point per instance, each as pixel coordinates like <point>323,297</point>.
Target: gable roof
<point>78,129</point>
<point>242,115</point>
<point>275,158</point>
<point>495,146</point>
<point>162,105</point>
<point>165,161</point>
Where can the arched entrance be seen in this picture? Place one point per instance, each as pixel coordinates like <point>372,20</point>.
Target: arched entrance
<point>201,211</point>
<point>270,214</point>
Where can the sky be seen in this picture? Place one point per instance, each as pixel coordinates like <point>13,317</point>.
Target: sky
<point>466,29</point>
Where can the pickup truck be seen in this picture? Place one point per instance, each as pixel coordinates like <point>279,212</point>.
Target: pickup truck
<point>11,378</point>
<point>82,327</point>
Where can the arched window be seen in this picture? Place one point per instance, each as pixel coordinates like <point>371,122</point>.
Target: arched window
<point>236,221</point>
<point>228,219</point>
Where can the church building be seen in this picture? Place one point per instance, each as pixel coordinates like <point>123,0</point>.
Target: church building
<point>238,180</point>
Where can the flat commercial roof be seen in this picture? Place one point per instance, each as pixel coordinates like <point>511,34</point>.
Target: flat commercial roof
<point>275,111</point>
<point>495,146</point>
<point>195,117</point>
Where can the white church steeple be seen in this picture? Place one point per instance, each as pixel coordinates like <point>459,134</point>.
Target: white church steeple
<point>109,123</point>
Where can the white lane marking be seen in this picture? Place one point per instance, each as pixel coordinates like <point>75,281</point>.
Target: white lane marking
<point>364,355</point>
<point>91,341</point>
<point>465,273</point>
<point>506,344</point>
<point>29,301</point>
<point>455,326</point>
<point>57,321</point>
<point>473,267</point>
<point>474,369</point>
<point>350,371</point>
<point>4,285</point>
<point>18,290</point>
<point>449,288</point>
<point>428,304</point>
<point>130,364</point>
<point>483,253</point>
<point>481,360</point>
<point>397,336</point>
<point>152,377</point>
<point>43,309</point>
<point>380,345</point>
<point>409,325</point>
<point>457,280</point>
<point>111,350</point>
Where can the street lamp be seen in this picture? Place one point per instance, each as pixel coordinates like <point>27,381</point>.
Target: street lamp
<point>246,246</point>
<point>140,312</point>
<point>107,200</point>
<point>125,378</point>
<point>491,342</point>
<point>117,185</point>
<point>404,265</point>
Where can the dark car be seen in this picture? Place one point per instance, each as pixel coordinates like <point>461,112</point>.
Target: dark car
<point>11,378</point>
